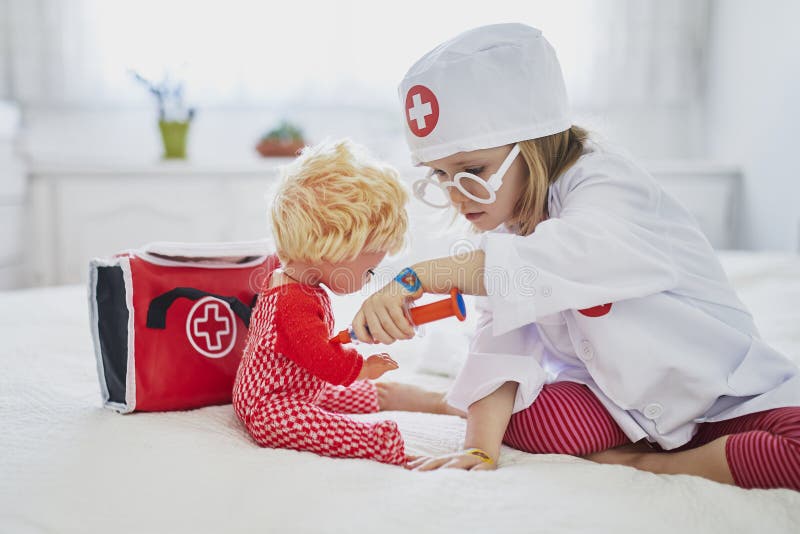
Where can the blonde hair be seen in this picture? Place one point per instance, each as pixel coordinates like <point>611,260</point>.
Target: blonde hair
<point>547,158</point>
<point>335,202</point>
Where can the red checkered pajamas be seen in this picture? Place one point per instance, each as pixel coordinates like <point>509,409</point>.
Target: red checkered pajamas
<point>291,380</point>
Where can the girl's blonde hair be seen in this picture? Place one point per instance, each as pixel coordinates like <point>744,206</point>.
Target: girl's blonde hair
<point>547,158</point>
<point>335,202</point>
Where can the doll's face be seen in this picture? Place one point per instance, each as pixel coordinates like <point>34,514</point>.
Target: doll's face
<point>349,276</point>
<point>483,163</point>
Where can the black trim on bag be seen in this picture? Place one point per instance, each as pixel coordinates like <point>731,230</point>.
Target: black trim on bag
<point>112,328</point>
<point>157,311</point>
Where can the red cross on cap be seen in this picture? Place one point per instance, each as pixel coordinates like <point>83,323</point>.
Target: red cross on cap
<point>422,110</point>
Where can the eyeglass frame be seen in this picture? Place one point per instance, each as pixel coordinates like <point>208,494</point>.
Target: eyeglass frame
<point>492,185</point>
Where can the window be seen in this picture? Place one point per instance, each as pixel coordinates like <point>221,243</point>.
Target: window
<point>343,52</point>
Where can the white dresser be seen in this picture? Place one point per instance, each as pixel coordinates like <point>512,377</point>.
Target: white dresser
<point>12,201</point>
<point>78,212</point>
<point>710,191</point>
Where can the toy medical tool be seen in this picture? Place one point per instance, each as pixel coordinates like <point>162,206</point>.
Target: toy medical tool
<point>419,315</point>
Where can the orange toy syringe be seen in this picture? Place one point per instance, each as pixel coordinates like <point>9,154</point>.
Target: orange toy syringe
<point>419,315</point>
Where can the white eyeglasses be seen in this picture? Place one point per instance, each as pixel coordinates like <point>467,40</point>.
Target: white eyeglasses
<point>434,193</point>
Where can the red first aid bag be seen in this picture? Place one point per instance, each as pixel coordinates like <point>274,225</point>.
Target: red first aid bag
<point>170,321</point>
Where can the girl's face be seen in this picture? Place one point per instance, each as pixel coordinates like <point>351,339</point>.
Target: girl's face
<point>483,163</point>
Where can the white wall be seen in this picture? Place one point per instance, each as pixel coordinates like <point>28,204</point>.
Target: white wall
<point>229,135</point>
<point>5,69</point>
<point>218,135</point>
<point>753,113</point>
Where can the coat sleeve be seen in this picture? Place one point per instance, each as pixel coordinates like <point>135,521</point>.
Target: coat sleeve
<point>494,360</point>
<point>608,242</point>
<point>305,338</point>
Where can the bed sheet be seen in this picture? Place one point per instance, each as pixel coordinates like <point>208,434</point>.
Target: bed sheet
<point>68,465</point>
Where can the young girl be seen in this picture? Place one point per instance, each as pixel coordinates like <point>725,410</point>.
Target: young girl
<point>610,330</point>
<point>335,217</point>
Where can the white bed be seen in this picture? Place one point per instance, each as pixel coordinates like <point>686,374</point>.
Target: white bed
<point>68,465</point>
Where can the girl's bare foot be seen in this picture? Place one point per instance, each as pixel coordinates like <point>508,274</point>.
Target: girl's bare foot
<point>409,398</point>
<point>707,461</point>
<point>630,454</point>
<point>624,454</point>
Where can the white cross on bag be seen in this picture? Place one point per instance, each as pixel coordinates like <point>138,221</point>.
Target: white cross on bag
<point>218,333</point>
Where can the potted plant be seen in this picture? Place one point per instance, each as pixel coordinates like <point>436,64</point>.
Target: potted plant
<point>285,140</point>
<point>174,117</point>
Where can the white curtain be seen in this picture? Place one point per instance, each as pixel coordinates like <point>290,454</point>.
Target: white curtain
<point>646,51</point>
<point>77,53</point>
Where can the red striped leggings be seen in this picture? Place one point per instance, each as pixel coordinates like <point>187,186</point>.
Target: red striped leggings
<point>763,450</point>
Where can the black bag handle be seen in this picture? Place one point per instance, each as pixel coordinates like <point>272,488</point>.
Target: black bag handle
<point>157,311</point>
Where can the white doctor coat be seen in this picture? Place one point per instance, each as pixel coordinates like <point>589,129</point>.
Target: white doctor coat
<point>620,290</point>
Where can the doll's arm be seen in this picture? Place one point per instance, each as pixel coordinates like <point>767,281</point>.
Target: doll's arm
<point>375,365</point>
<point>304,339</point>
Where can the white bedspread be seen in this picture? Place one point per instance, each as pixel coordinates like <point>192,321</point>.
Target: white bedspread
<point>68,465</point>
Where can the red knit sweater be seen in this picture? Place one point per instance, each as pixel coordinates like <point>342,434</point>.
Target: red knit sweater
<point>303,325</point>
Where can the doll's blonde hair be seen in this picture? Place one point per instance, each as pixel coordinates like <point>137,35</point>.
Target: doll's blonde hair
<point>334,202</point>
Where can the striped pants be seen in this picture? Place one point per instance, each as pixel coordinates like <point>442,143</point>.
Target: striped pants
<point>763,450</point>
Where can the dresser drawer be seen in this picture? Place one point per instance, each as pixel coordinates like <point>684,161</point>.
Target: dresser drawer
<point>12,176</point>
<point>710,193</point>
<point>11,218</point>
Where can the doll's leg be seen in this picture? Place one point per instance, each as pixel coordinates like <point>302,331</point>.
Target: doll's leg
<point>288,423</point>
<point>360,397</point>
<point>762,449</point>
<point>411,398</point>
<point>566,418</point>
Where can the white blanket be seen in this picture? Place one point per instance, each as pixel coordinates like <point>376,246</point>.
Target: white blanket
<point>68,465</point>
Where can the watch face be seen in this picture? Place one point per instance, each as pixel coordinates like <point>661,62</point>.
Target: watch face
<point>408,278</point>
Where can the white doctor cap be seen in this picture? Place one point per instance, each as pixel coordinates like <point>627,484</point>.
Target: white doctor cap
<point>487,87</point>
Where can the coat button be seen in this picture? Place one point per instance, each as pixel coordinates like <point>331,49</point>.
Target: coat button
<point>586,352</point>
<point>653,411</point>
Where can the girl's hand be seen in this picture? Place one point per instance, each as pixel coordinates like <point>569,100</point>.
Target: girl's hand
<point>382,317</point>
<point>376,365</point>
<point>456,460</point>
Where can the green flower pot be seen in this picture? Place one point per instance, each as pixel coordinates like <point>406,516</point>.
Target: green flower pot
<point>174,134</point>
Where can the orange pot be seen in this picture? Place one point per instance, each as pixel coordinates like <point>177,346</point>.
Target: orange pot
<point>274,148</point>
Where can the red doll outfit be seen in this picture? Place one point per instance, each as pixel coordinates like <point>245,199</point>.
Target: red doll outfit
<point>292,380</point>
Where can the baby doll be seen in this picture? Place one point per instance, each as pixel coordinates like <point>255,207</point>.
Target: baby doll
<point>335,216</point>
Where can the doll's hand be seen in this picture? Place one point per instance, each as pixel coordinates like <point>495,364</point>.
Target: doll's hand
<point>382,317</point>
<point>455,460</point>
<point>375,365</point>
